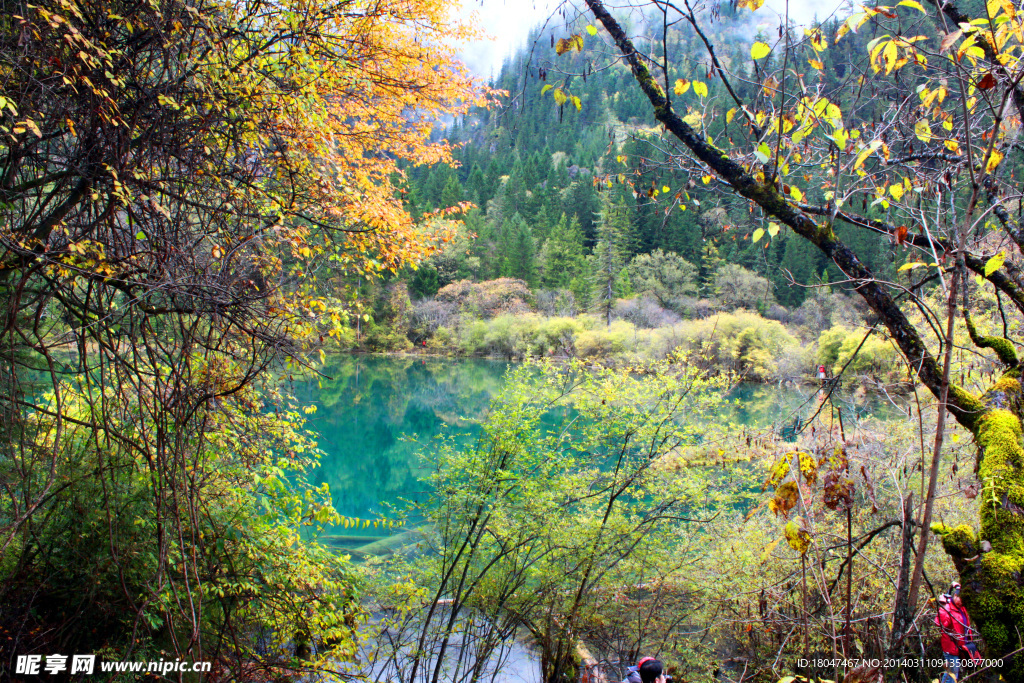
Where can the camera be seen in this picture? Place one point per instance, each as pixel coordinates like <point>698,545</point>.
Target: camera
<point>954,590</point>
<point>668,679</point>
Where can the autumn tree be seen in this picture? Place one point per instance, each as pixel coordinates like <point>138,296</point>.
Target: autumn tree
<point>910,141</point>
<point>175,179</point>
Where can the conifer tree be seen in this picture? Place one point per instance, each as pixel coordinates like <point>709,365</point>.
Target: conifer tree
<point>562,255</point>
<point>452,192</point>
<point>523,262</point>
<point>608,258</point>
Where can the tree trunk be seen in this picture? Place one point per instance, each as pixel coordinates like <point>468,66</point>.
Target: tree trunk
<point>902,615</point>
<point>991,563</point>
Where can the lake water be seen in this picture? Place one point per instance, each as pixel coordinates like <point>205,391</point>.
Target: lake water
<point>377,414</point>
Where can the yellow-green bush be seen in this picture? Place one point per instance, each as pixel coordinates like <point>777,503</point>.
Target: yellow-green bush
<point>829,343</point>
<point>606,341</point>
<point>877,357</point>
<point>742,342</point>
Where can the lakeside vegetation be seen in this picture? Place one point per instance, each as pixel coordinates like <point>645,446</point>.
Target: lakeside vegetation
<point>504,319</point>
<point>200,202</point>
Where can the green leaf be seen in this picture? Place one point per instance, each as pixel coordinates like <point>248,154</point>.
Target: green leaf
<point>140,235</point>
<point>760,50</point>
<point>763,153</point>
<point>995,263</point>
<point>758,234</point>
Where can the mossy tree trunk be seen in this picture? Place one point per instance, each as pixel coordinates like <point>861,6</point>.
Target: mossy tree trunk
<point>989,561</point>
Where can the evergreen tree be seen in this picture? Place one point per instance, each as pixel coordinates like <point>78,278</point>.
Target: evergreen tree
<point>452,192</point>
<point>562,256</point>
<point>522,259</point>
<point>607,259</point>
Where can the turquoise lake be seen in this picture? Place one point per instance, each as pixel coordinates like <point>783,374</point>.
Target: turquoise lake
<point>376,415</point>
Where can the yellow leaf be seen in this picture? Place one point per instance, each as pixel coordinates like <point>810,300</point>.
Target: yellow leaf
<point>592,30</point>
<point>911,3</point>
<point>700,88</point>
<point>796,536</point>
<point>574,42</point>
<point>911,266</point>
<point>993,161</point>
<point>706,179</point>
<point>682,85</point>
<point>754,5</point>
<point>795,193</point>
<point>896,191</point>
<point>665,188</point>
<point>760,50</point>
<point>995,263</point>
<point>953,146</point>
<point>730,114</point>
<point>576,103</point>
<point>758,234</point>
<point>816,63</point>
<point>866,152</point>
<point>773,229</point>
<point>923,130</point>
<point>560,97</point>
<point>889,56</point>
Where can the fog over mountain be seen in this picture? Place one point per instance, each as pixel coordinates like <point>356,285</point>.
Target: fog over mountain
<point>509,22</point>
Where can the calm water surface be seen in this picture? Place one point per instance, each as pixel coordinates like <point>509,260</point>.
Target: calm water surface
<point>377,414</point>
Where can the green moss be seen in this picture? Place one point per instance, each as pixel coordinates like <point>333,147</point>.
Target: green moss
<point>999,433</point>
<point>959,542</point>
<point>966,406</point>
<point>993,590</point>
<point>1003,348</point>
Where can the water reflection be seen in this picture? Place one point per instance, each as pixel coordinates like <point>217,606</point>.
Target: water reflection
<point>376,414</point>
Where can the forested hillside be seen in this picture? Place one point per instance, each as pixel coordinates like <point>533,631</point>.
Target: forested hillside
<point>551,181</point>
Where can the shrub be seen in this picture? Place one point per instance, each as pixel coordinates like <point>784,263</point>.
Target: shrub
<point>556,302</point>
<point>876,359</point>
<point>430,314</point>
<point>644,312</point>
<point>471,337</point>
<point>558,334</point>
<point>829,343</point>
<point>742,342</point>
<point>488,299</point>
<point>444,339</point>
<point>384,337</point>
<point>736,287</point>
<point>666,276</point>
<point>604,342</point>
<point>510,335</point>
